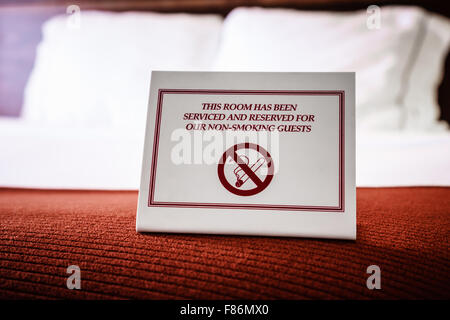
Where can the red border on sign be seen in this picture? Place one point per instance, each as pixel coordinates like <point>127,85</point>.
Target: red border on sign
<point>162,92</point>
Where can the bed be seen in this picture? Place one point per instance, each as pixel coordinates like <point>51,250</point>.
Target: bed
<point>68,186</point>
<point>403,230</point>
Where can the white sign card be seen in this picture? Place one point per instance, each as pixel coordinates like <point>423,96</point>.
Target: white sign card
<point>250,153</point>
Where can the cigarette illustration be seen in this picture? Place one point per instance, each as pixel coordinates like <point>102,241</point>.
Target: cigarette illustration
<point>241,176</point>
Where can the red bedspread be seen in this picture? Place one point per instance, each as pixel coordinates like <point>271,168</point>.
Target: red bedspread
<point>405,231</point>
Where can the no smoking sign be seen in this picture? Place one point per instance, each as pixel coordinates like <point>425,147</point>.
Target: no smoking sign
<point>243,192</point>
<point>245,169</point>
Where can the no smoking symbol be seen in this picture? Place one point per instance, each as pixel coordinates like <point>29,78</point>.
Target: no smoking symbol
<point>246,172</point>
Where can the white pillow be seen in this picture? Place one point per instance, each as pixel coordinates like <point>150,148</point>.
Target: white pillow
<point>98,74</point>
<point>427,71</point>
<point>259,39</point>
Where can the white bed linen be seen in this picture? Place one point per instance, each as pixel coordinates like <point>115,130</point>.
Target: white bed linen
<point>394,91</point>
<point>70,158</point>
<point>403,159</point>
<point>99,74</point>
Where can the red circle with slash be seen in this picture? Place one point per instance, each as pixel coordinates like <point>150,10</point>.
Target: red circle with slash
<point>260,184</point>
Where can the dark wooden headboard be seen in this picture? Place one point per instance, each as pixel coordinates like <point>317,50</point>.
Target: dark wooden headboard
<point>21,20</point>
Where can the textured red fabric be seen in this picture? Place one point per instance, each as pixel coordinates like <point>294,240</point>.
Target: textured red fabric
<point>405,231</point>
